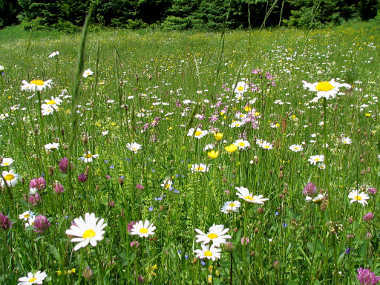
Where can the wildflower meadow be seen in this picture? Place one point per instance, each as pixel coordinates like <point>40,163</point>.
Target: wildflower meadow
<point>240,157</point>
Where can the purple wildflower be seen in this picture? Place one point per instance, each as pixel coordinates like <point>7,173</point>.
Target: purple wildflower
<point>310,189</point>
<point>5,222</point>
<point>366,277</point>
<point>41,224</point>
<point>367,217</point>
<point>63,164</point>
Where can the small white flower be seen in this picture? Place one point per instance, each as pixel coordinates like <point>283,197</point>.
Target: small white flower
<point>361,197</point>
<point>314,159</point>
<point>230,206</point>
<point>7,161</point>
<point>199,168</point>
<point>135,147</point>
<point>88,157</point>
<point>346,140</point>
<point>216,234</point>
<point>296,148</point>
<point>244,194</point>
<point>242,144</point>
<point>86,231</point>
<point>54,54</point>
<point>143,229</point>
<point>36,278</point>
<point>212,252</point>
<point>36,85</point>
<point>10,177</point>
<point>51,146</point>
<point>88,72</point>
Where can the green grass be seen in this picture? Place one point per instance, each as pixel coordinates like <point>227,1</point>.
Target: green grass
<point>138,93</point>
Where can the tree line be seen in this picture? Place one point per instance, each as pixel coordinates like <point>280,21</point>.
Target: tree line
<point>68,15</point>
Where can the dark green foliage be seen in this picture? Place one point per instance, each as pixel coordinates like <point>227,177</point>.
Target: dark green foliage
<point>8,12</point>
<point>67,15</point>
<point>368,9</point>
<point>315,13</point>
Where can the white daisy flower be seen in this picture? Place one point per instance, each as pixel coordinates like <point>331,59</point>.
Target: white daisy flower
<point>143,229</point>
<point>237,124</point>
<point>36,85</point>
<point>230,206</point>
<point>361,197</point>
<point>135,147</point>
<point>241,87</point>
<point>242,144</point>
<point>315,199</point>
<point>46,110</point>
<point>325,89</point>
<point>2,68</point>
<point>51,146</point>
<point>88,72</point>
<point>10,177</point>
<point>199,168</point>
<point>7,161</point>
<point>244,194</point>
<point>212,252</point>
<point>87,231</point>
<point>216,234</point>
<point>54,102</point>
<point>314,159</point>
<point>266,145</point>
<point>346,140</point>
<point>26,215</point>
<point>296,147</point>
<point>167,184</point>
<point>32,278</point>
<point>200,133</point>
<point>88,157</point>
<point>208,147</point>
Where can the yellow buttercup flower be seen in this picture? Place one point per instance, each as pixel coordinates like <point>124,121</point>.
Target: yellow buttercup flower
<point>218,136</point>
<point>231,148</point>
<point>213,154</point>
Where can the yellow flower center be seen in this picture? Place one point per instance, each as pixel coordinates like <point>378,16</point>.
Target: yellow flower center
<point>208,253</point>
<point>324,86</point>
<point>90,233</point>
<point>5,163</point>
<point>31,280</point>
<point>232,205</point>
<point>266,146</point>
<point>51,102</point>
<point>88,155</point>
<point>200,168</point>
<point>358,198</point>
<point>26,216</point>
<point>37,82</point>
<point>197,133</point>
<point>212,235</point>
<point>241,144</point>
<point>240,88</point>
<point>143,231</point>
<point>9,177</point>
<point>249,197</point>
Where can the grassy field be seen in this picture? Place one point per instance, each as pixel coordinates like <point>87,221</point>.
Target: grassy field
<point>187,130</point>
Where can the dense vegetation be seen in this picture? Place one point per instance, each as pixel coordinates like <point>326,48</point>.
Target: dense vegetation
<point>185,14</point>
<point>172,127</point>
